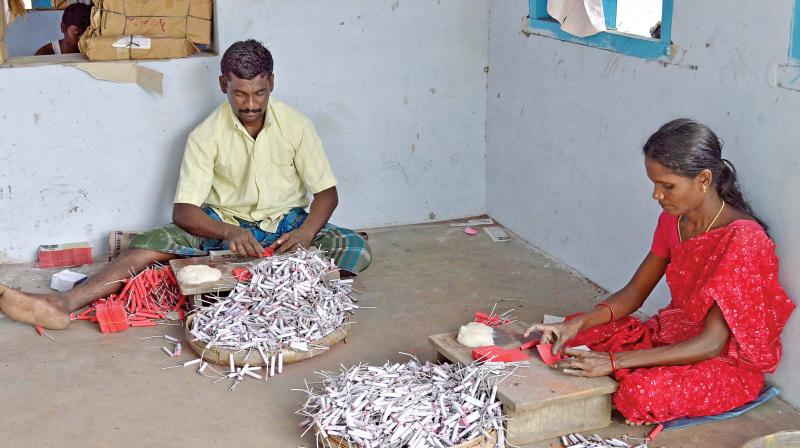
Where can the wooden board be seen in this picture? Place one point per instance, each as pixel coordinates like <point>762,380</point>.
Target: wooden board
<point>539,402</point>
<point>226,264</point>
<point>221,356</point>
<point>541,384</point>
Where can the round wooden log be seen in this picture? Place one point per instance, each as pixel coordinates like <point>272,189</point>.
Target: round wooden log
<point>221,356</point>
<point>783,439</point>
<point>478,442</point>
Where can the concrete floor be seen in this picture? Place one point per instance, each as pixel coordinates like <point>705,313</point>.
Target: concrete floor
<point>94,390</point>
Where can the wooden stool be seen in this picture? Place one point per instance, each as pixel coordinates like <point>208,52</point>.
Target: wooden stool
<point>540,402</point>
<point>226,264</point>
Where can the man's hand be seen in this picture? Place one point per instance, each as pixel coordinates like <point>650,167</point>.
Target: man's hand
<point>583,363</point>
<point>291,241</point>
<point>556,334</point>
<point>243,242</point>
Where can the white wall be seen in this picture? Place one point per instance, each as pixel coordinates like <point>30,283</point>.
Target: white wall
<point>397,91</point>
<point>566,124</point>
<point>29,32</point>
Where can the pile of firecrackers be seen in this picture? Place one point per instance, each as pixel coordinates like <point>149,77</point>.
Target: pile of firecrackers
<point>149,298</point>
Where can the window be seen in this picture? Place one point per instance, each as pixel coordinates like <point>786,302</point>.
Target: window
<point>52,4</point>
<point>116,30</point>
<point>632,27</point>
<point>794,46</point>
<point>787,75</point>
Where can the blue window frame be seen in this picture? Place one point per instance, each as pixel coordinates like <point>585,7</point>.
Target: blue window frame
<point>794,45</point>
<point>644,47</point>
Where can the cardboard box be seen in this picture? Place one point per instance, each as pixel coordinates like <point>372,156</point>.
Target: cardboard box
<point>118,241</point>
<point>65,280</point>
<point>64,255</point>
<point>116,48</point>
<point>190,19</point>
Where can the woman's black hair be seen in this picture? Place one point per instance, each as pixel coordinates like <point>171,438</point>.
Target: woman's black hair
<point>687,147</point>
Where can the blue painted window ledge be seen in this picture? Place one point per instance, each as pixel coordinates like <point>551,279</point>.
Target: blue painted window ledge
<point>788,76</point>
<point>540,23</point>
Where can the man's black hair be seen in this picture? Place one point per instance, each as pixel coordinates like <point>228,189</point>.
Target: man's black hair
<point>77,14</point>
<point>246,59</point>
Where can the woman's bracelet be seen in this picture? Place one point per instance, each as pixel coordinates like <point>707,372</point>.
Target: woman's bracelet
<point>613,363</point>
<point>609,309</point>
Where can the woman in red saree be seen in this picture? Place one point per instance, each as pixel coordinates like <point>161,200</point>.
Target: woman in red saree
<point>707,351</point>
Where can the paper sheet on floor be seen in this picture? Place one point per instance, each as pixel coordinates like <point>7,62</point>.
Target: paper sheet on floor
<point>580,18</point>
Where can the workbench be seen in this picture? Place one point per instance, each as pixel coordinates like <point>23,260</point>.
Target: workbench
<point>225,263</point>
<point>539,401</point>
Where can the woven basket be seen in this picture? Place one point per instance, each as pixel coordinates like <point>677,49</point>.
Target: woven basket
<point>478,442</point>
<point>221,356</point>
<point>783,439</point>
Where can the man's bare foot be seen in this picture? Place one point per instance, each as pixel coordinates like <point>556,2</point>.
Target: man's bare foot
<point>33,309</point>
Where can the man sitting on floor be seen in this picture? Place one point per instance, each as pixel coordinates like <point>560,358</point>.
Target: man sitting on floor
<point>243,186</point>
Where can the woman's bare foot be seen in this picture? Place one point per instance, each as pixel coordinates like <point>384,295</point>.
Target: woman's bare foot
<point>632,423</point>
<point>33,309</point>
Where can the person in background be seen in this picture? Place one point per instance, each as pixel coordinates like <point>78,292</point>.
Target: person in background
<point>73,24</point>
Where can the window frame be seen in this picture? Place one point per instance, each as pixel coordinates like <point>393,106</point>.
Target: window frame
<point>541,23</point>
<point>794,44</point>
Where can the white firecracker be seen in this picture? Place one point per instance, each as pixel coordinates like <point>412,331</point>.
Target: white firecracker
<point>408,404</point>
<point>288,303</point>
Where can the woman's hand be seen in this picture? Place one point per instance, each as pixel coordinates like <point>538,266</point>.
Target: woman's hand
<point>585,363</point>
<point>556,334</point>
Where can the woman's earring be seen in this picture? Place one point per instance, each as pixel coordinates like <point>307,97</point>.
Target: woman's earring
<point>705,188</point>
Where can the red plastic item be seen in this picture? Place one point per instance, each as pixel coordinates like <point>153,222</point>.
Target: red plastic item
<point>655,432</point>
<point>498,354</point>
<point>39,329</point>
<point>546,352</point>
<point>243,274</point>
<point>528,344</point>
<point>142,323</point>
<point>268,252</point>
<point>112,317</point>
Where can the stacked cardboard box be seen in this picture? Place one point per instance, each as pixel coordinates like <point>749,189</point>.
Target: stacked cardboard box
<point>155,29</point>
<point>116,48</point>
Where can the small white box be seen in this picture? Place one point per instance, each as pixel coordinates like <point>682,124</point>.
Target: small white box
<point>66,280</point>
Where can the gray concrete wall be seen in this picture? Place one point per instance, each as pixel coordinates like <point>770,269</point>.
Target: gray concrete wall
<point>397,90</point>
<point>566,124</point>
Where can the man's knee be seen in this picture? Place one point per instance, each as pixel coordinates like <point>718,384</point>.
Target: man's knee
<point>145,256</point>
<point>365,259</point>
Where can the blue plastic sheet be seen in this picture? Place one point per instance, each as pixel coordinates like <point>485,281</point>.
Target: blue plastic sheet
<point>768,393</point>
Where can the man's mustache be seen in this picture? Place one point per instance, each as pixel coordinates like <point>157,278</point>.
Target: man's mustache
<point>249,111</point>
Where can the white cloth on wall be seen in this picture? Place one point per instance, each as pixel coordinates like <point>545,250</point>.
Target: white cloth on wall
<point>581,18</point>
